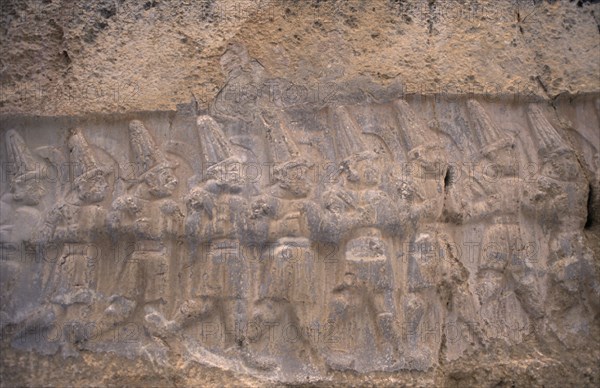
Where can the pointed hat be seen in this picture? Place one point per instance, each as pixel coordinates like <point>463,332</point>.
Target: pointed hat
<point>487,134</point>
<point>281,144</point>
<point>216,150</point>
<point>19,156</point>
<point>411,130</point>
<point>283,149</point>
<point>85,165</point>
<point>347,136</point>
<point>485,130</point>
<point>147,155</point>
<point>215,146</point>
<point>548,140</point>
<point>414,133</point>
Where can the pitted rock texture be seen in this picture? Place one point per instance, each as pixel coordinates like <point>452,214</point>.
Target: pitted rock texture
<point>74,57</point>
<point>356,193</point>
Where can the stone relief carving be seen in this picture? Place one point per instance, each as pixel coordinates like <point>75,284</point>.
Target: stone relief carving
<point>572,275</point>
<point>74,222</point>
<point>503,285</point>
<point>151,219</point>
<point>20,217</point>
<point>349,259</point>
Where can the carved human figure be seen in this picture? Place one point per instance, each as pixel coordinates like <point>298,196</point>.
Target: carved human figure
<point>424,248</point>
<point>246,84</point>
<point>76,224</point>
<point>507,280</point>
<point>436,280</point>
<point>150,218</point>
<point>557,201</point>
<point>364,297</point>
<point>19,218</point>
<point>287,295</point>
<point>215,227</point>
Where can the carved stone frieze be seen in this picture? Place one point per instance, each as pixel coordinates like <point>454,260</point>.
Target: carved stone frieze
<point>380,236</point>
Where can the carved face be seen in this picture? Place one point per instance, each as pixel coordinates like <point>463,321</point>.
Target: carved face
<point>489,286</point>
<point>429,161</point>
<point>162,182</point>
<point>93,189</point>
<point>226,176</point>
<point>28,191</point>
<point>195,199</point>
<point>349,279</point>
<point>232,176</point>
<point>500,162</point>
<point>363,172</point>
<point>294,179</point>
<point>563,167</point>
<point>335,206</point>
<point>542,189</point>
<point>259,209</point>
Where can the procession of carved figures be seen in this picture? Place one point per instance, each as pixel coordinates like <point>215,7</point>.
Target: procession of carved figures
<point>358,268</point>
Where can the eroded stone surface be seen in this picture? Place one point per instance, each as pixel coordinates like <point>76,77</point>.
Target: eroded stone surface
<point>75,57</point>
<point>389,237</point>
<point>300,244</point>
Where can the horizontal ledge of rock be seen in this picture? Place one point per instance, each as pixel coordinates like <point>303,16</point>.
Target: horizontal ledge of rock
<point>310,103</point>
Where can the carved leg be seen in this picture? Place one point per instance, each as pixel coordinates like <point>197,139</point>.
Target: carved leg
<point>414,310</point>
<point>386,320</point>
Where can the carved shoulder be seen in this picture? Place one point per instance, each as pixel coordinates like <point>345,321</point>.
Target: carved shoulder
<point>171,208</point>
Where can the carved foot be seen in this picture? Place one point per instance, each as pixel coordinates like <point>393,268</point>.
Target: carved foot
<point>120,309</point>
<point>157,325</point>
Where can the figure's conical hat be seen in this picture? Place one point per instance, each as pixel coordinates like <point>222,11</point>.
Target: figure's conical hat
<point>414,134</point>
<point>349,145</point>
<point>215,146</point>
<point>19,157</point>
<point>216,149</point>
<point>281,144</point>
<point>147,155</point>
<point>488,136</point>
<point>548,140</point>
<point>82,157</point>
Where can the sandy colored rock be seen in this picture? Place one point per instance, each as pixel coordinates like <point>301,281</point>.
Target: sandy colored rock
<point>125,56</point>
<point>315,193</point>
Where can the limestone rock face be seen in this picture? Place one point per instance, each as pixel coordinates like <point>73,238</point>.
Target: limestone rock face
<point>373,235</point>
<point>75,57</point>
<point>376,237</point>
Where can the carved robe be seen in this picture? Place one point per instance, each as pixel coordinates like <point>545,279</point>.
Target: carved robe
<point>151,224</point>
<point>77,228</point>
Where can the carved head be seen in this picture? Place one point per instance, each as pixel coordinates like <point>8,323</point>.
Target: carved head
<point>25,184</point>
<point>349,279</point>
<point>199,199</point>
<point>27,189</point>
<point>156,170</point>
<point>226,175</point>
<point>161,181</point>
<point>491,285</point>
<point>260,208</point>
<point>500,158</point>
<point>361,170</point>
<point>293,177</point>
<point>430,160</point>
<point>92,189</point>
<point>561,165</point>
<point>542,189</point>
<point>90,182</point>
<point>338,201</point>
